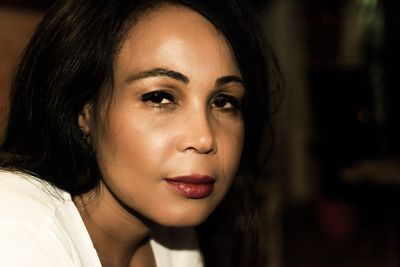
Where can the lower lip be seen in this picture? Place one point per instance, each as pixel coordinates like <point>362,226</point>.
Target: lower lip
<point>191,190</point>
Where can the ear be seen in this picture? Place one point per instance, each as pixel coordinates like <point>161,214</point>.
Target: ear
<point>85,118</point>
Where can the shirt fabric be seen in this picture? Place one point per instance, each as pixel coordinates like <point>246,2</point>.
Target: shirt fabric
<point>40,226</point>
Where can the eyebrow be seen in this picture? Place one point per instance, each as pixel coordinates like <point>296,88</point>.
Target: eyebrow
<point>157,72</point>
<point>228,79</point>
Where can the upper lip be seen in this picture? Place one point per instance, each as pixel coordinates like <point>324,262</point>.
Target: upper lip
<point>192,179</point>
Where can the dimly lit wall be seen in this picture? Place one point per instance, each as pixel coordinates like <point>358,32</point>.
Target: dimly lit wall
<point>16,26</point>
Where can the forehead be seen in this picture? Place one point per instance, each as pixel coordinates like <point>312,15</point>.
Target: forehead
<point>172,32</point>
<point>166,16</point>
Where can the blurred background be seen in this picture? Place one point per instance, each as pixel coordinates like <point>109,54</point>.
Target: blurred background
<point>333,182</point>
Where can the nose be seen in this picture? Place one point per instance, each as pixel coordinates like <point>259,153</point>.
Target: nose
<point>197,134</point>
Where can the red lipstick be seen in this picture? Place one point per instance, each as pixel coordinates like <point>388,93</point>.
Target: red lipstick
<point>192,186</point>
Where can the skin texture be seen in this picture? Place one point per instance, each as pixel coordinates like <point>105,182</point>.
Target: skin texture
<point>192,126</point>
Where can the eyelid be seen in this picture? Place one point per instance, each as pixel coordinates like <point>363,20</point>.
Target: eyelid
<point>232,88</point>
<point>156,99</point>
<point>235,102</point>
<point>230,91</point>
<point>148,95</point>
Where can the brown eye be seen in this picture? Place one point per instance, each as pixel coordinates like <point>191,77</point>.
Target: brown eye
<point>226,103</point>
<point>158,98</point>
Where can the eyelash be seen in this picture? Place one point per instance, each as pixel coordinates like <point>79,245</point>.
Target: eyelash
<point>219,102</point>
<point>156,99</point>
<point>234,103</point>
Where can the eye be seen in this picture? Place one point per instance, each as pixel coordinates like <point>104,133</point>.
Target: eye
<point>158,99</point>
<point>225,103</point>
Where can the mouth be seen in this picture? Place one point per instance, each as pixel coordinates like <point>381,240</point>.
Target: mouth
<point>192,186</point>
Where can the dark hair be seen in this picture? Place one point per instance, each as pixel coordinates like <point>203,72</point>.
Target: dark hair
<point>69,62</point>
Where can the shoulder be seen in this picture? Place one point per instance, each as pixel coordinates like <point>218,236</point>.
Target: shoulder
<point>30,233</point>
<point>23,196</point>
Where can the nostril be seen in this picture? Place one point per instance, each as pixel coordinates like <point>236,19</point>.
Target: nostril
<point>198,142</point>
<point>197,134</point>
<point>202,146</point>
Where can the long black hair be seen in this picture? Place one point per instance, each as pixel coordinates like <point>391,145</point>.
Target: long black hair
<point>70,61</point>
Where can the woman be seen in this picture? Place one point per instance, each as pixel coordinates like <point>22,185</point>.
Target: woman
<point>131,121</point>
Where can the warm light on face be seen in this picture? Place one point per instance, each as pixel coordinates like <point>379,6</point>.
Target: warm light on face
<point>171,142</point>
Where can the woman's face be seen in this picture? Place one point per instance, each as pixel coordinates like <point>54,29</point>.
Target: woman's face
<point>170,143</point>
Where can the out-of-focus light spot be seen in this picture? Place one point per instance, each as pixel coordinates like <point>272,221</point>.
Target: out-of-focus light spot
<point>364,115</point>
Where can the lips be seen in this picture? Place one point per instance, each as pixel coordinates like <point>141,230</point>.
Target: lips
<point>192,186</point>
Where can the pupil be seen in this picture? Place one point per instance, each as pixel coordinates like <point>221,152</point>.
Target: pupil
<point>158,98</point>
<point>220,102</point>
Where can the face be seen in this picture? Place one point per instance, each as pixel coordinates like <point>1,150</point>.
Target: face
<point>169,144</point>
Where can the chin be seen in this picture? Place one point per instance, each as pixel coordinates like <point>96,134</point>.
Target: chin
<point>183,223</point>
<point>185,218</point>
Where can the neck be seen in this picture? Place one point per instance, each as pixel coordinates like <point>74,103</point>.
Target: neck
<point>116,232</point>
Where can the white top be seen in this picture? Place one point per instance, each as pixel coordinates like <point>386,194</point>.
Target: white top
<point>40,226</point>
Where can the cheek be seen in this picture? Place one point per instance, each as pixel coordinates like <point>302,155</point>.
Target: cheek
<point>128,142</point>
